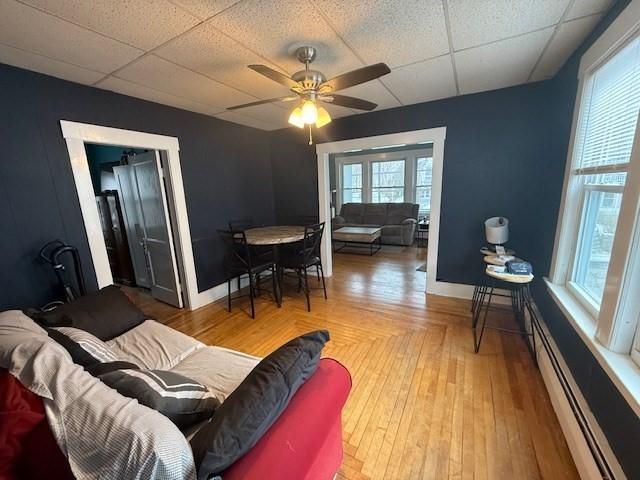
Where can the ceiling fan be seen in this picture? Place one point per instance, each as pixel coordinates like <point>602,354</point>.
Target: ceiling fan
<point>310,88</point>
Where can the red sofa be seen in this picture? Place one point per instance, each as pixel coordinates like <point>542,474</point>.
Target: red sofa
<point>305,443</point>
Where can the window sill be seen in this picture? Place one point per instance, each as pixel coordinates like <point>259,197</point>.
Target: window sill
<point>621,369</point>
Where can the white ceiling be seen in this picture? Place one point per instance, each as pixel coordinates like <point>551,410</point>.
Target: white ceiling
<point>192,54</point>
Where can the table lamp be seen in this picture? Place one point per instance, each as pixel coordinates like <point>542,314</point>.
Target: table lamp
<point>497,231</point>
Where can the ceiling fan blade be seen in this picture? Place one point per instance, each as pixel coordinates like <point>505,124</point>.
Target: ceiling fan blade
<point>261,102</point>
<point>355,77</point>
<point>349,102</point>
<point>276,76</point>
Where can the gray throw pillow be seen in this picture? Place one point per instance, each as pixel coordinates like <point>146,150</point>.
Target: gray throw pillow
<point>256,404</point>
<point>183,400</point>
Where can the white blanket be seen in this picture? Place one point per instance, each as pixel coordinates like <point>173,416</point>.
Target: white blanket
<point>103,434</point>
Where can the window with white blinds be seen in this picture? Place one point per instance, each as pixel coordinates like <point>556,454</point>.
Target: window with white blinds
<point>605,135</point>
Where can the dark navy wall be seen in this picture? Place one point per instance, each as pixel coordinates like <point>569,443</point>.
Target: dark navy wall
<point>498,161</point>
<point>226,173</point>
<point>616,418</point>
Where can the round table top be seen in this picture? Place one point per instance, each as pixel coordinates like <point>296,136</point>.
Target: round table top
<point>496,260</point>
<point>486,251</point>
<point>509,277</point>
<point>274,235</point>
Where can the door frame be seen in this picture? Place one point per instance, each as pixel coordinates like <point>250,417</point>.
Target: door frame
<point>76,135</point>
<point>435,136</point>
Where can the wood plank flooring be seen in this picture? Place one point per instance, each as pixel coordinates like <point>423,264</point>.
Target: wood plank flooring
<point>423,405</point>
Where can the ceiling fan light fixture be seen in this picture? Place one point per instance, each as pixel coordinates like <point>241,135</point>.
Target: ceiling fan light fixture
<point>295,118</point>
<point>309,112</point>
<point>323,117</point>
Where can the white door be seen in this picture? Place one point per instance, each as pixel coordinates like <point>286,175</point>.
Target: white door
<point>153,211</point>
<point>133,224</point>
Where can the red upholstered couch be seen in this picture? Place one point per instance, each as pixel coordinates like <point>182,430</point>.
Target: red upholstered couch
<point>305,443</point>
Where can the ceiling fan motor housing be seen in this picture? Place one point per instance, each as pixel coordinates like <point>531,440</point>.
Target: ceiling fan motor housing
<point>309,79</point>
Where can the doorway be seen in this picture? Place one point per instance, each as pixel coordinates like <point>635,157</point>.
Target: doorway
<point>166,151</point>
<point>135,220</point>
<point>434,137</point>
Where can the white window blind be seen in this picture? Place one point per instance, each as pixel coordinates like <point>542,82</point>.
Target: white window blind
<point>610,112</point>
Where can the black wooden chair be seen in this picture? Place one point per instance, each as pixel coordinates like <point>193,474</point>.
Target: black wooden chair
<point>307,256</point>
<point>241,224</point>
<point>240,260</point>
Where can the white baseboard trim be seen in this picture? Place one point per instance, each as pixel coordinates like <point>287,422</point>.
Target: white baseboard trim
<point>460,290</point>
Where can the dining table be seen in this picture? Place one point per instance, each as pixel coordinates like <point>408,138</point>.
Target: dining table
<point>275,236</point>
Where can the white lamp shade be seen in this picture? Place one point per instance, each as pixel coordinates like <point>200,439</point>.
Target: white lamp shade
<point>497,230</point>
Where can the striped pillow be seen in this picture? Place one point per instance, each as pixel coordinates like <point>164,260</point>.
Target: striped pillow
<point>84,348</point>
<point>184,401</point>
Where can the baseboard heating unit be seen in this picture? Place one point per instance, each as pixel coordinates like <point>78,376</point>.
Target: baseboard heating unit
<point>588,445</point>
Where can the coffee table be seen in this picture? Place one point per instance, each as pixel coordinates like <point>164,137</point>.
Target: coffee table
<point>358,238</point>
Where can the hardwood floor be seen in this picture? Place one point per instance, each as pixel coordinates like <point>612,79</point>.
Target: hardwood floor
<point>423,405</point>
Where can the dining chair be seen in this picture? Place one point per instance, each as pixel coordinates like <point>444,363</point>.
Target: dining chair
<point>239,260</point>
<point>307,256</point>
<point>240,224</point>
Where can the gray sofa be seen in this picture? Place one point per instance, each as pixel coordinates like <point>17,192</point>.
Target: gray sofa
<point>398,220</point>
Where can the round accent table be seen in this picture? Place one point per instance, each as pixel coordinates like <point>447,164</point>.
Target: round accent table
<point>518,287</point>
<point>275,236</point>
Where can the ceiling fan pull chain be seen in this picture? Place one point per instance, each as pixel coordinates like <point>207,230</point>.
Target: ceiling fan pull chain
<point>310,136</point>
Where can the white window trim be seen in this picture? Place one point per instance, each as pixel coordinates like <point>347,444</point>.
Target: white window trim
<point>608,333</point>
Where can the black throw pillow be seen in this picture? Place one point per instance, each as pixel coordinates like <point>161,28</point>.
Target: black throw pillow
<point>184,401</point>
<point>106,314</point>
<point>98,369</point>
<point>256,404</point>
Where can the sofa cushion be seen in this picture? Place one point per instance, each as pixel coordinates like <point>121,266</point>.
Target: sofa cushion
<point>352,212</point>
<point>375,213</point>
<point>105,314</point>
<point>397,212</point>
<point>153,345</point>
<point>219,368</point>
<point>392,230</point>
<point>256,404</point>
<point>183,400</point>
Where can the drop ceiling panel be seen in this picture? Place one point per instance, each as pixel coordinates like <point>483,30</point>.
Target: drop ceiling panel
<point>204,9</point>
<point>275,114</point>
<point>420,82</point>
<point>133,90</point>
<point>566,39</point>
<point>29,29</point>
<point>489,21</point>
<point>248,121</point>
<point>167,77</point>
<point>271,27</point>
<point>396,32</point>
<point>581,8</point>
<point>38,63</point>
<point>201,47</point>
<point>141,23</point>
<point>374,92</point>
<point>208,51</point>
<point>501,64</point>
